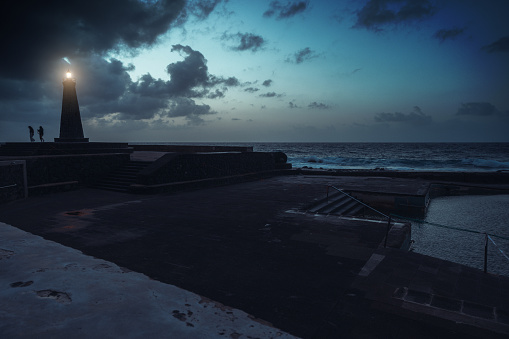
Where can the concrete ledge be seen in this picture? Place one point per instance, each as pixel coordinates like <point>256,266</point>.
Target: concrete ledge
<point>203,183</point>
<point>53,187</point>
<point>191,148</point>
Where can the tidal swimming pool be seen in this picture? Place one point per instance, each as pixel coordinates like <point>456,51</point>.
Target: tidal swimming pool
<point>475,213</point>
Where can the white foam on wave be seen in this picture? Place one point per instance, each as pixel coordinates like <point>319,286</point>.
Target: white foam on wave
<point>486,163</point>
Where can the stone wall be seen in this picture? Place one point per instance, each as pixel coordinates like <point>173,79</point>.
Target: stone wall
<point>13,182</point>
<point>85,168</point>
<point>175,167</point>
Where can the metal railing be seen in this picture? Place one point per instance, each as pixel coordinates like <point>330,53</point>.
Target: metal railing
<point>14,185</point>
<point>487,236</point>
<point>365,205</point>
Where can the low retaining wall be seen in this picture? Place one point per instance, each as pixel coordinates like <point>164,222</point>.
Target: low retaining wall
<point>405,205</point>
<point>176,167</point>
<point>85,168</point>
<point>13,180</point>
<point>191,148</point>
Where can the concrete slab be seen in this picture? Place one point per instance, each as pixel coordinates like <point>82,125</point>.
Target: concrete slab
<point>51,291</point>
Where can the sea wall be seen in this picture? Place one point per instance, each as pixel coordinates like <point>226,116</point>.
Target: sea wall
<point>175,167</point>
<point>191,148</point>
<point>401,204</point>
<point>84,168</point>
<point>13,180</point>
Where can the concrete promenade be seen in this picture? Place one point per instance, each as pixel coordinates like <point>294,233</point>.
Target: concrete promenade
<point>247,246</point>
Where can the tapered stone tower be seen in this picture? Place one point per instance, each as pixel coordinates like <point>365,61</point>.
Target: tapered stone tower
<point>71,129</point>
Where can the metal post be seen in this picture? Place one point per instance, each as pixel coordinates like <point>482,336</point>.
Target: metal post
<point>486,253</point>
<point>387,232</point>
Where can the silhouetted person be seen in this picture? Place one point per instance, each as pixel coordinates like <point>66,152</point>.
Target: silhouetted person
<point>41,133</point>
<point>31,130</point>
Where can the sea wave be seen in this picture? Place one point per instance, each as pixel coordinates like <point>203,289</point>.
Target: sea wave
<point>402,164</point>
<point>486,163</point>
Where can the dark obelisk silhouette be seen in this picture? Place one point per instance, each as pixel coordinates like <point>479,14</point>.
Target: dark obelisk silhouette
<point>71,129</point>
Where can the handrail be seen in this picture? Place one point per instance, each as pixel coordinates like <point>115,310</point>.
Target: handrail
<point>488,236</point>
<point>360,202</point>
<point>14,185</point>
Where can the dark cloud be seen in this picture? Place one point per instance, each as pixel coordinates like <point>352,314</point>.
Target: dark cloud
<point>292,105</point>
<point>318,105</point>
<point>477,109</point>
<point>415,117</point>
<point>106,91</point>
<point>189,73</point>
<point>185,107</point>
<point>245,41</point>
<point>281,11</point>
<point>201,9</point>
<point>267,83</point>
<point>235,119</point>
<point>216,94</point>
<point>251,89</point>
<point>448,34</point>
<point>302,55</point>
<point>379,13</point>
<point>46,31</point>
<point>270,95</point>
<point>501,45</point>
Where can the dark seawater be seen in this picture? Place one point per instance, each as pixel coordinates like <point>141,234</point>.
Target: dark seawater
<point>472,157</point>
<point>478,213</point>
<point>396,156</point>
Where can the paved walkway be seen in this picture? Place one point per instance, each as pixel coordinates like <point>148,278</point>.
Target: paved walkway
<point>52,291</point>
<point>249,246</point>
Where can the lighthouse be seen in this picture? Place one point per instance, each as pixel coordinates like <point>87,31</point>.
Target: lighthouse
<point>71,129</point>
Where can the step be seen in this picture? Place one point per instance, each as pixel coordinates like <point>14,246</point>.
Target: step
<point>343,209</point>
<point>334,204</point>
<point>356,210</point>
<point>324,202</point>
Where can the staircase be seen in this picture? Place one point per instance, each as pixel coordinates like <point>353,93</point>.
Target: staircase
<point>123,177</point>
<point>337,204</point>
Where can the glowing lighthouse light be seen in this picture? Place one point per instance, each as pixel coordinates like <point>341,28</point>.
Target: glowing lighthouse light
<point>68,74</point>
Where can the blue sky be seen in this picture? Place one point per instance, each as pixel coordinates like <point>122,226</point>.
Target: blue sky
<point>211,70</point>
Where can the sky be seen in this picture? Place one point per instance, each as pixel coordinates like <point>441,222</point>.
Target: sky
<point>259,71</point>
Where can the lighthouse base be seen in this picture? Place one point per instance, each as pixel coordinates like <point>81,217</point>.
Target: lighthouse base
<point>71,140</point>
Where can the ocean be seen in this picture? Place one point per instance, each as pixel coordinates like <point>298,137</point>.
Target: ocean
<point>395,156</point>
<point>389,156</point>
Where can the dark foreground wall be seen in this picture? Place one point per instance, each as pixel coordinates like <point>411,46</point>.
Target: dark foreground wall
<point>13,184</point>
<point>191,148</point>
<point>177,167</point>
<point>83,168</point>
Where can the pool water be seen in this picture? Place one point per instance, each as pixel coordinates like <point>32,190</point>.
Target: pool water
<point>477,213</point>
